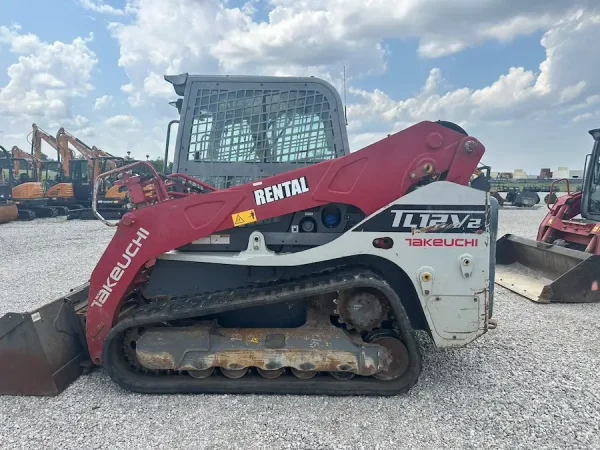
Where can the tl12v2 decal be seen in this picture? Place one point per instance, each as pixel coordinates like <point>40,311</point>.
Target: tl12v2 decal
<point>428,219</point>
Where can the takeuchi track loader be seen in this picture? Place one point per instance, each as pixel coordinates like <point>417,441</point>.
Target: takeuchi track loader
<point>308,275</point>
<point>562,265</point>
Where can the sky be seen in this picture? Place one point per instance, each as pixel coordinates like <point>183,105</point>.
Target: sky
<point>520,76</point>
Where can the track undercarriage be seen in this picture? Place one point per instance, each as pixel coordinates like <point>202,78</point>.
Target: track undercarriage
<point>345,332</point>
<point>30,209</point>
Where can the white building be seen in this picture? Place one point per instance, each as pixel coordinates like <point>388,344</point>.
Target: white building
<point>519,174</point>
<point>578,173</point>
<point>561,172</point>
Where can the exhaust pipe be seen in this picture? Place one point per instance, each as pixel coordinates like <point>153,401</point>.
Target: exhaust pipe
<point>547,273</point>
<point>42,352</point>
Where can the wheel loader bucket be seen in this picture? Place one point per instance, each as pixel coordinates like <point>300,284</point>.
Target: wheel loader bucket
<point>44,351</point>
<point>547,273</point>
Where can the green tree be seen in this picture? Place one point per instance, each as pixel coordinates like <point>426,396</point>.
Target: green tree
<point>159,165</point>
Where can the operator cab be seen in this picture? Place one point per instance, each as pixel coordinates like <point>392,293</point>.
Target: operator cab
<point>590,204</point>
<point>238,129</point>
<point>6,179</point>
<point>235,129</point>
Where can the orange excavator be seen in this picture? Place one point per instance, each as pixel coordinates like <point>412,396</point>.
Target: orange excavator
<point>83,172</point>
<point>54,175</point>
<point>8,208</point>
<point>27,191</point>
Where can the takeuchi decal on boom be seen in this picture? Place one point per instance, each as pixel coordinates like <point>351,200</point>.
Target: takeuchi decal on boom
<point>280,191</point>
<point>119,269</point>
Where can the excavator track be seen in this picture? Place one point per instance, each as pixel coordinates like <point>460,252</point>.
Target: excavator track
<point>121,364</point>
<point>44,211</point>
<point>26,215</point>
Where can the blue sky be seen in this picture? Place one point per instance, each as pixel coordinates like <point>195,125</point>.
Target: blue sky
<point>510,72</point>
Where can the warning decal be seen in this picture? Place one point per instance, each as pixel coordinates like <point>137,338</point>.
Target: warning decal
<point>244,217</point>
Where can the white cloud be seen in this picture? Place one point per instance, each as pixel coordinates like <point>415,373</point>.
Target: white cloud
<point>249,7</point>
<point>315,37</point>
<point>19,43</point>
<point>590,101</point>
<point>156,86</point>
<point>87,132</point>
<point>80,121</point>
<point>308,37</point>
<point>149,45</point>
<point>121,121</point>
<point>103,102</point>
<point>47,77</point>
<point>583,117</point>
<point>99,6</point>
<point>520,93</point>
<point>13,136</point>
<point>572,92</point>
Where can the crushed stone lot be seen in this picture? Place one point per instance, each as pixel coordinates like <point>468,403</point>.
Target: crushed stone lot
<point>532,383</point>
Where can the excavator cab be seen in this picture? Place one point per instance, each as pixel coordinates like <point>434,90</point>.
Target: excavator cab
<point>8,209</point>
<point>28,192</point>
<point>80,178</point>
<point>52,174</point>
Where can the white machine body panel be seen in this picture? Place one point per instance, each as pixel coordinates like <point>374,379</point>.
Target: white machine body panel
<point>441,240</point>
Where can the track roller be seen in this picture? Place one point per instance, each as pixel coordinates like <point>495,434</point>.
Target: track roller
<point>201,374</point>
<point>234,374</point>
<point>26,215</point>
<point>45,211</point>
<point>61,210</point>
<point>342,376</point>
<point>303,374</point>
<point>270,374</point>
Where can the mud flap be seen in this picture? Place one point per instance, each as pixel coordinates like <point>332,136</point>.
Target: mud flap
<point>547,273</point>
<point>42,352</point>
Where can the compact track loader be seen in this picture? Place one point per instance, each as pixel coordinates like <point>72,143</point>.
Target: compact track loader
<point>307,275</point>
<point>563,263</point>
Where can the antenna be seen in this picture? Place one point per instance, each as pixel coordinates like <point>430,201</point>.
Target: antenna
<point>345,102</point>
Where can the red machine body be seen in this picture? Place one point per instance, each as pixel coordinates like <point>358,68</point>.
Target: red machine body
<point>559,224</point>
<point>368,179</point>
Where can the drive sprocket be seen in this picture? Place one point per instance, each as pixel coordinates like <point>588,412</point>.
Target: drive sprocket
<point>361,310</point>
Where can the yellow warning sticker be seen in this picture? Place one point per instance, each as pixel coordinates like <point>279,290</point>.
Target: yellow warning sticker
<point>244,217</point>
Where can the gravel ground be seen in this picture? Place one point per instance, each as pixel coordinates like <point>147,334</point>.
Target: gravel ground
<point>531,383</point>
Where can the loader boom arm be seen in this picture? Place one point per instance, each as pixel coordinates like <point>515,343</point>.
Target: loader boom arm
<point>368,179</point>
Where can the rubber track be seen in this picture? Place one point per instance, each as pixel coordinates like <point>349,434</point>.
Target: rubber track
<point>185,307</point>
